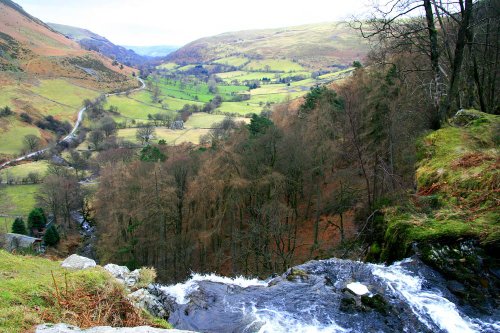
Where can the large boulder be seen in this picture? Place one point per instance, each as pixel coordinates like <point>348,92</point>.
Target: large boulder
<point>75,261</point>
<point>119,272</point>
<point>64,328</point>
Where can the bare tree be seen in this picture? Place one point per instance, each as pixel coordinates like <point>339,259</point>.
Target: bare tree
<point>145,133</point>
<point>31,142</point>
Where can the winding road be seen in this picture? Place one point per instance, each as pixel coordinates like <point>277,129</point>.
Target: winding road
<point>73,131</point>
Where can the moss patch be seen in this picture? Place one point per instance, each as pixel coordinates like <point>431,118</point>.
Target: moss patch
<point>458,178</point>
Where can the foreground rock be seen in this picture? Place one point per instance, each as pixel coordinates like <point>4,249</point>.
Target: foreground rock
<point>64,328</point>
<point>75,261</point>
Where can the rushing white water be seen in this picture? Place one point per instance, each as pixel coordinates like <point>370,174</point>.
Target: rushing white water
<point>181,291</point>
<point>313,306</point>
<point>272,321</point>
<point>425,304</point>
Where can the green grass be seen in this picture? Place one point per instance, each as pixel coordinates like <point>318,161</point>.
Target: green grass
<point>64,92</point>
<point>28,292</point>
<point>172,137</point>
<point>130,108</point>
<point>274,65</point>
<point>196,90</point>
<point>205,120</point>
<point>168,66</point>
<point>16,200</point>
<point>232,61</point>
<point>21,171</point>
<point>458,179</point>
<point>12,132</point>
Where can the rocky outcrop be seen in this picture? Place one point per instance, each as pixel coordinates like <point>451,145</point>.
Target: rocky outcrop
<point>64,328</point>
<point>75,261</point>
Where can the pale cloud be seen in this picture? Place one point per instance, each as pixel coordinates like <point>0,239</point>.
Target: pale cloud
<point>156,22</point>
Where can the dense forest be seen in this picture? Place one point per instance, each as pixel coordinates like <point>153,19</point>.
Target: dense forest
<point>256,198</point>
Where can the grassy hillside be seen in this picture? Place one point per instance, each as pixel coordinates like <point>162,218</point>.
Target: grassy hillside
<point>35,290</point>
<point>92,41</point>
<point>458,180</point>
<point>315,46</point>
<point>43,73</point>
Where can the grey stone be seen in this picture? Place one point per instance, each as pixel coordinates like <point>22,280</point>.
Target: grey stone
<point>64,328</point>
<point>75,261</point>
<point>143,299</point>
<point>119,272</point>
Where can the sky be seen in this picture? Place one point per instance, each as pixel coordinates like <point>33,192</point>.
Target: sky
<point>167,22</point>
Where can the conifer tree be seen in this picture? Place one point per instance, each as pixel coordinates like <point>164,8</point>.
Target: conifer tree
<point>51,236</point>
<point>18,227</point>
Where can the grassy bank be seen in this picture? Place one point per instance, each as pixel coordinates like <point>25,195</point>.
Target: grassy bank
<point>458,184</point>
<point>35,290</point>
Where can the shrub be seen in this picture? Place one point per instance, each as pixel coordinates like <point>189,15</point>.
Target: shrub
<point>26,117</point>
<point>6,111</point>
<point>147,275</point>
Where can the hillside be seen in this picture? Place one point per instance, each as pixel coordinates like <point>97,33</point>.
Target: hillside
<point>43,73</point>
<point>92,41</point>
<point>315,46</point>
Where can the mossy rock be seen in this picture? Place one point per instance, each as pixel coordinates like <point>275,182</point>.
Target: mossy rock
<point>465,117</point>
<point>375,302</point>
<point>297,274</point>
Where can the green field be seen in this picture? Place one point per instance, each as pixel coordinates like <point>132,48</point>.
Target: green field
<point>18,172</point>
<point>172,137</point>
<point>195,90</point>
<point>273,65</point>
<point>232,61</point>
<point>64,92</point>
<point>205,120</point>
<point>17,200</point>
<point>12,132</point>
<point>168,66</point>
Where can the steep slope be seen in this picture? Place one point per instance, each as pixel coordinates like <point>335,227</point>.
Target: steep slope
<point>94,42</point>
<point>43,73</point>
<point>315,46</point>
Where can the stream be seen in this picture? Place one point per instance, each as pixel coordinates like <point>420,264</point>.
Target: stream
<point>407,296</point>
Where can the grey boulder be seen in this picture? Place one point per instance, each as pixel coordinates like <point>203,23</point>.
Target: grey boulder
<point>75,261</point>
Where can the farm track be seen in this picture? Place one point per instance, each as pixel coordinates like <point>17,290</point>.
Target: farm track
<point>75,128</point>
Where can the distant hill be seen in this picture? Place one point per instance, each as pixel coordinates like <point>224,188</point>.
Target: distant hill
<point>92,41</point>
<point>153,51</point>
<point>314,46</point>
<point>44,78</point>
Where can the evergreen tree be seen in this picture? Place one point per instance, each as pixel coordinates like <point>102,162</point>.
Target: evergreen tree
<point>51,236</point>
<point>37,219</point>
<point>18,227</point>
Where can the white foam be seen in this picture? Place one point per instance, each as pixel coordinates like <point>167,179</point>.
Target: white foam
<point>181,291</point>
<point>272,321</point>
<point>439,309</point>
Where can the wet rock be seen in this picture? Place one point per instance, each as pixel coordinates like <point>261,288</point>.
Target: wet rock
<point>64,328</point>
<point>75,261</point>
<point>456,287</point>
<point>375,302</point>
<point>349,305</point>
